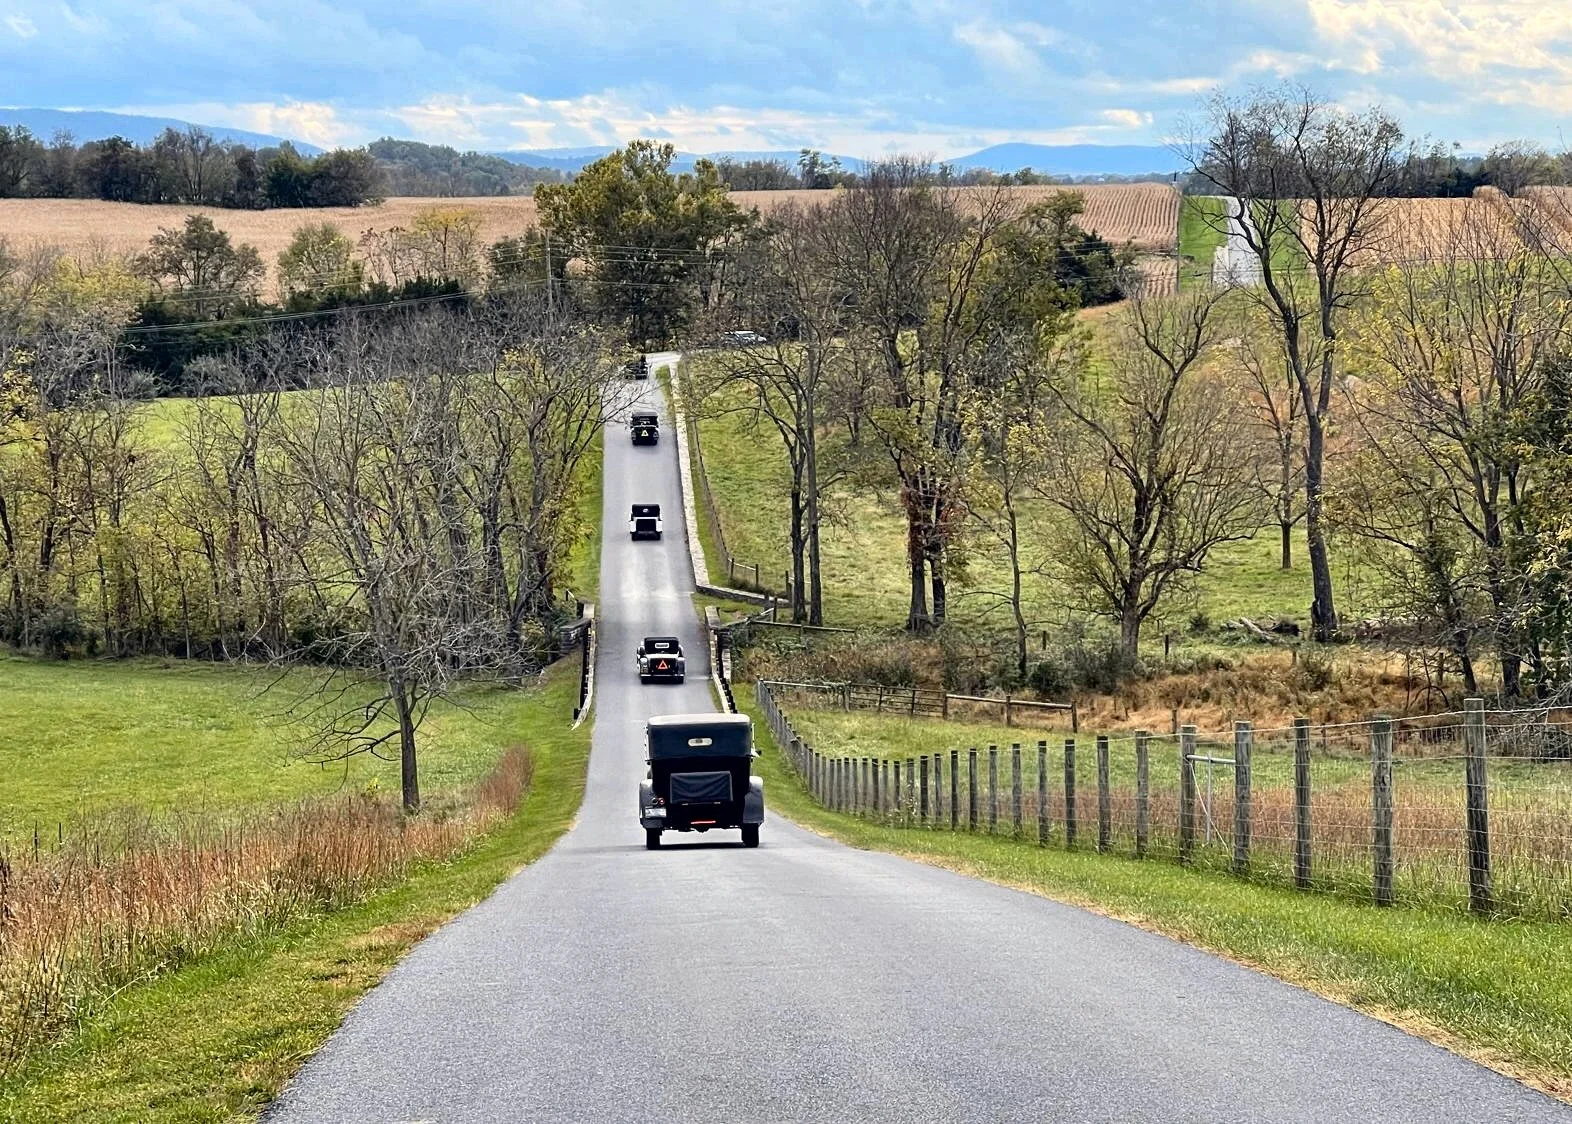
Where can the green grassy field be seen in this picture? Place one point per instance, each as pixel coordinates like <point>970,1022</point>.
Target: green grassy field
<point>85,738</point>
<point>216,1040</point>
<point>1199,239</point>
<point>1497,992</point>
<point>863,551</point>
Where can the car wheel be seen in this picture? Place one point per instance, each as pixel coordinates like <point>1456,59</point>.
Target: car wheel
<point>644,679</point>
<point>750,835</point>
<point>652,838</point>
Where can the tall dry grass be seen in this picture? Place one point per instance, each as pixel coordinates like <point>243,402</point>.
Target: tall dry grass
<point>125,902</point>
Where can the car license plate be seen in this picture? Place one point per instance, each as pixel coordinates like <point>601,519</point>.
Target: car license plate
<point>658,813</point>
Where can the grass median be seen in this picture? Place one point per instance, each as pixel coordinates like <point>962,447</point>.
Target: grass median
<point>1496,991</point>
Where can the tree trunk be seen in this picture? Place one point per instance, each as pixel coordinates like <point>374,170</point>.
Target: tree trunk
<point>1288,545</point>
<point>917,618</point>
<point>1323,611</point>
<point>1130,627</point>
<point>799,609</point>
<point>409,775</point>
<point>1015,591</point>
<point>811,469</point>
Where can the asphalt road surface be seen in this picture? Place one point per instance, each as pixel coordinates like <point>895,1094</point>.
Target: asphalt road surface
<point>805,980</point>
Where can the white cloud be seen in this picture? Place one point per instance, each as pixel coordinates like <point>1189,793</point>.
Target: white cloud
<point>1126,118</point>
<point>316,122</point>
<point>22,26</point>
<point>1508,52</point>
<point>999,48</point>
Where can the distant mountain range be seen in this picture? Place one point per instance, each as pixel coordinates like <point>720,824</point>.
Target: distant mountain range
<point>1053,159</point>
<point>91,124</point>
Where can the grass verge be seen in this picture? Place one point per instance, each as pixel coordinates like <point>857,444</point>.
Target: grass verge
<point>216,1040</point>
<point>1498,992</point>
<point>1200,237</point>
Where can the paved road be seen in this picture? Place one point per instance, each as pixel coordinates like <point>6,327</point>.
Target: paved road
<point>1235,263</point>
<point>808,981</point>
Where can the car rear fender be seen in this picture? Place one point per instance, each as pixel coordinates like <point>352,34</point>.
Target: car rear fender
<point>753,803</point>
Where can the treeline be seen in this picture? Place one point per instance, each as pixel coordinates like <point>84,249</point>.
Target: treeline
<point>191,167</point>
<point>413,168</point>
<point>390,496</point>
<point>1429,171</point>
<point>815,171</point>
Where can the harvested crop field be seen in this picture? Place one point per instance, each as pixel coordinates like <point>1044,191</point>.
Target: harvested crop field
<point>1488,225</point>
<point>83,226</point>
<point>1146,214</point>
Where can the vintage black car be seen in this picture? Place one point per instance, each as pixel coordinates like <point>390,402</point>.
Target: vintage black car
<point>660,658</point>
<point>645,428</point>
<point>638,368</point>
<point>645,521</point>
<point>700,776</point>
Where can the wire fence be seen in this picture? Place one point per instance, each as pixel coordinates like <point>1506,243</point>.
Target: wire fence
<point>1471,809</point>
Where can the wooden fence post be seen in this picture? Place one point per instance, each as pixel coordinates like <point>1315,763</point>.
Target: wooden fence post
<point>1006,710</point>
<point>993,789</point>
<point>900,811</point>
<point>1143,792</point>
<point>1015,789</point>
<point>878,793</point>
<point>922,815</point>
<point>971,789</point>
<point>1069,792</point>
<point>938,790</point>
<point>1381,809</point>
<point>867,786</point>
<point>911,787</point>
<point>1042,793</point>
<point>955,789</point>
<point>1481,895</point>
<point>1302,803</point>
<point>1186,793</point>
<point>1104,797</point>
<point>1244,742</point>
<point>889,800</point>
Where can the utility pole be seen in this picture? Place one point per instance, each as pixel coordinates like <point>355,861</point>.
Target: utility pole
<point>549,303</point>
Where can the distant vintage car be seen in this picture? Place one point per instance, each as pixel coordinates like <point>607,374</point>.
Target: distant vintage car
<point>660,658</point>
<point>645,429</point>
<point>645,521</point>
<point>637,368</point>
<point>742,339</point>
<point>700,776</point>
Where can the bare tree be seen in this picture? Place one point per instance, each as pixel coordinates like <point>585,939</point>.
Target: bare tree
<point>1269,387</point>
<point>1145,467</point>
<point>1310,182</point>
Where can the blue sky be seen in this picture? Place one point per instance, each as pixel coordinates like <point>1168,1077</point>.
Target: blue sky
<point>860,77</point>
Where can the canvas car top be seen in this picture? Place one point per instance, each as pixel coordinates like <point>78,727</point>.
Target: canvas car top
<point>700,735</point>
<point>643,419</point>
<point>662,644</point>
<point>646,510</point>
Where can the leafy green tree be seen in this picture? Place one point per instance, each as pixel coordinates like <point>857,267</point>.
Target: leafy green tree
<point>319,261</point>
<point>287,180</point>
<point>655,242</point>
<point>198,265</point>
<point>19,154</point>
<point>344,178</point>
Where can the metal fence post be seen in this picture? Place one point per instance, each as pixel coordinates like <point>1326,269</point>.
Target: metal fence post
<point>1015,789</point>
<point>1104,797</point>
<point>1143,792</point>
<point>1381,809</point>
<point>1302,803</point>
<point>1481,895</point>
<point>1244,742</point>
<point>1042,793</point>
<point>1186,793</point>
<point>1069,792</point>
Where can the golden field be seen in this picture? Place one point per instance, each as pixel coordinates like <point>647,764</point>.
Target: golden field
<point>1146,214</point>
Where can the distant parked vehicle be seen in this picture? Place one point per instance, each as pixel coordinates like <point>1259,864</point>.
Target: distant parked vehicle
<point>700,776</point>
<point>645,521</point>
<point>660,658</point>
<point>742,339</point>
<point>645,429</point>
